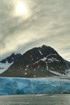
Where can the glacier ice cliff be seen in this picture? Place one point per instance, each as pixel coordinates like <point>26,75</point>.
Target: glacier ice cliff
<point>14,86</point>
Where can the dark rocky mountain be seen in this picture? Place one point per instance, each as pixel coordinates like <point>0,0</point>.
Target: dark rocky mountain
<point>38,62</point>
<point>8,61</point>
<point>12,58</point>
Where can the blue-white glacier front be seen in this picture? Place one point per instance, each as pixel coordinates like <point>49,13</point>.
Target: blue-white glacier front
<point>11,86</point>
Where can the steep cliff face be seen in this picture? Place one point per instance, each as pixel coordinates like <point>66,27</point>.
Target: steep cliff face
<point>38,62</point>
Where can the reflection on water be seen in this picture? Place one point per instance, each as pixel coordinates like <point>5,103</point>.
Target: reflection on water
<point>35,100</point>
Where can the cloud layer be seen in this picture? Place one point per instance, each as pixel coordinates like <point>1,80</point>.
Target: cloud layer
<point>48,22</point>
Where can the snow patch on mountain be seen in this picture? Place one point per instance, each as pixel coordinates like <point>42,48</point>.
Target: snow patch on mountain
<point>40,52</point>
<point>56,73</point>
<point>43,59</point>
<point>53,59</point>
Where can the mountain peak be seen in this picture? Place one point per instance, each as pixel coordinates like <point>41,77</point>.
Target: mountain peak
<point>12,58</point>
<point>13,54</point>
<point>44,46</point>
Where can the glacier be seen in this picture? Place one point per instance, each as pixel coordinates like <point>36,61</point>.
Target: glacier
<point>49,85</point>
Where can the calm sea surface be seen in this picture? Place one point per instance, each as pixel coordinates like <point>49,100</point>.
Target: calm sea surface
<point>35,100</point>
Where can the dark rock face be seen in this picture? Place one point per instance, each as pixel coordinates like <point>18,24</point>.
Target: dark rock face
<point>12,58</point>
<point>38,62</point>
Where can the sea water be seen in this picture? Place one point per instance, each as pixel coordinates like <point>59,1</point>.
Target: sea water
<point>60,99</point>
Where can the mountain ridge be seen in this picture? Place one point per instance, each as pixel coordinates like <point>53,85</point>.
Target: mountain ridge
<point>38,62</point>
<point>12,58</point>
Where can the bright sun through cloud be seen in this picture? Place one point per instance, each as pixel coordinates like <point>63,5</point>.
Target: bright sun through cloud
<point>21,9</point>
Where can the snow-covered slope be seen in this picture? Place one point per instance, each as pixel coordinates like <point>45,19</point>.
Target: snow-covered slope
<point>4,66</point>
<point>8,61</point>
<point>10,86</point>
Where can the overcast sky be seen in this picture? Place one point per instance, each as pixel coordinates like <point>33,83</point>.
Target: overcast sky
<point>41,22</point>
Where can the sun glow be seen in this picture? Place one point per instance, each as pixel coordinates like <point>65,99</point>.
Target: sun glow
<point>21,9</point>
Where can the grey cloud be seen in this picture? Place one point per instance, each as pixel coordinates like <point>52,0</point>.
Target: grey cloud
<point>48,24</point>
